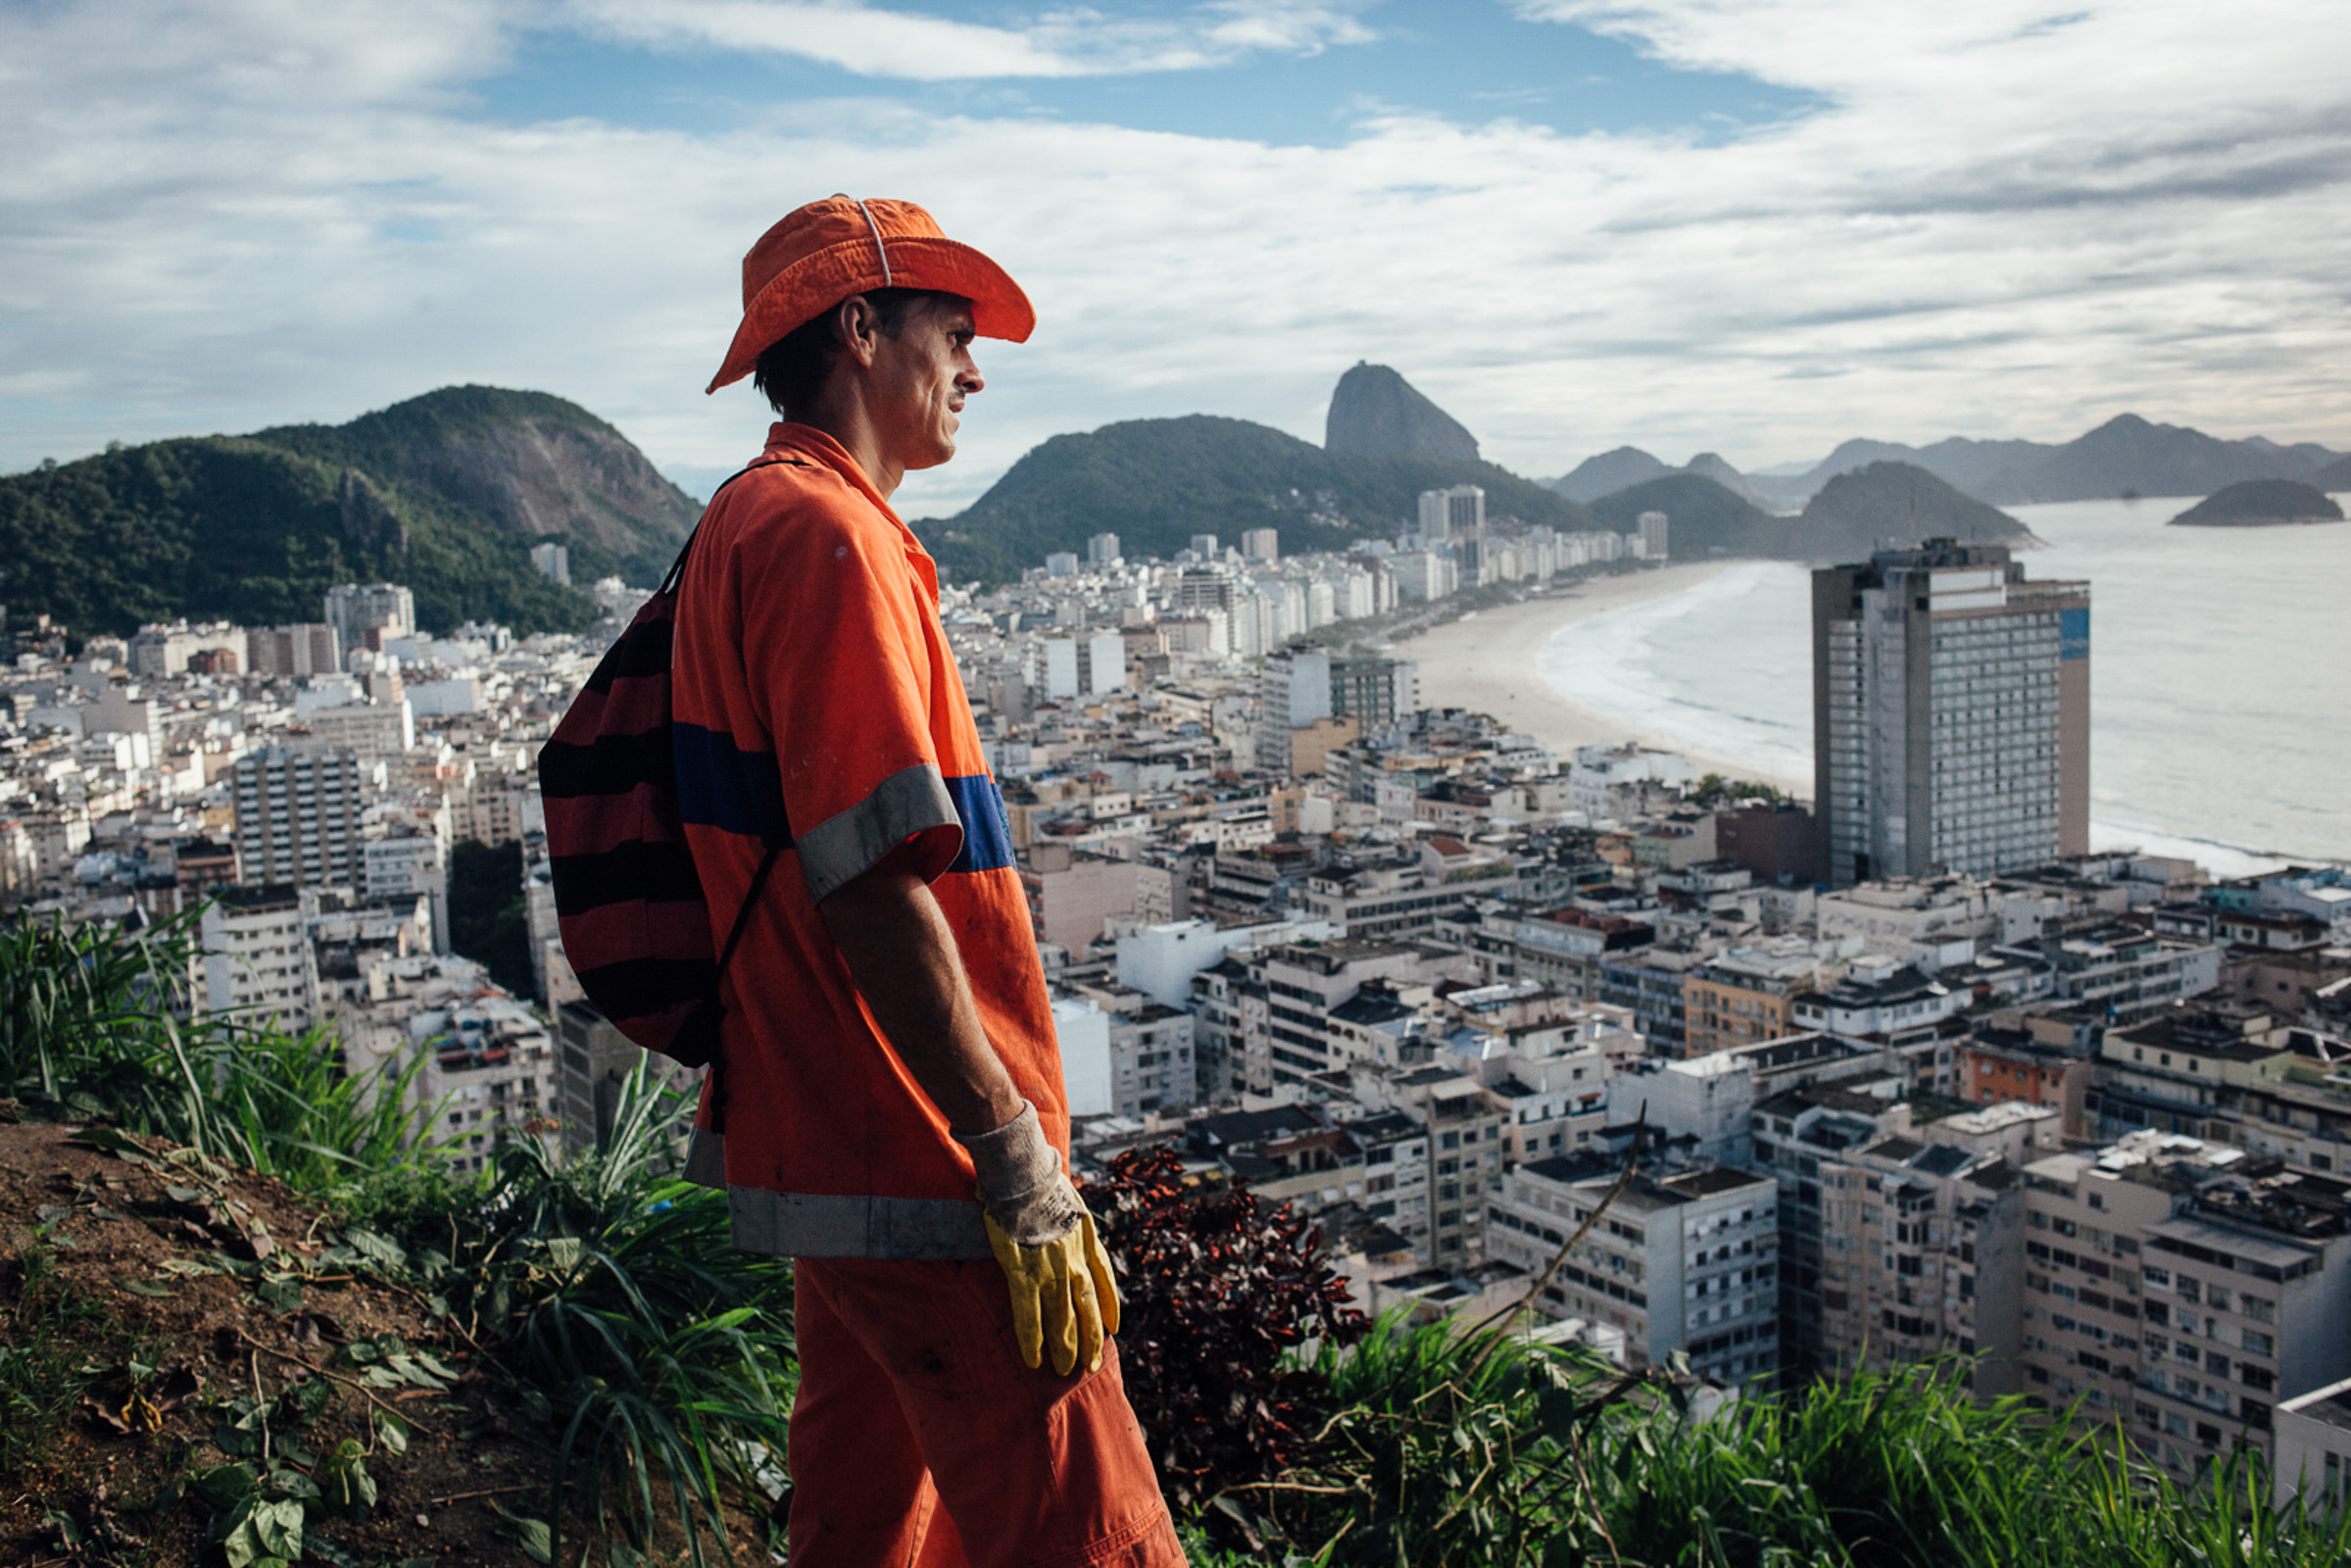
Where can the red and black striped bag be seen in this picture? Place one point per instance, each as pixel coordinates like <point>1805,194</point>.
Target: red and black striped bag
<point>634,922</point>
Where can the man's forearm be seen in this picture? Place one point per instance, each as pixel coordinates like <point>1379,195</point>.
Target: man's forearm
<point>902,955</point>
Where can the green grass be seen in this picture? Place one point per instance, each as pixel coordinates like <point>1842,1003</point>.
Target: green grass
<point>93,1026</point>
<point>47,1333</point>
<point>605,1288</point>
<point>612,1290</point>
<point>1484,1451</point>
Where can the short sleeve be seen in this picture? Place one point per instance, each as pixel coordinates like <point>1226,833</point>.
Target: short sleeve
<point>836,651</point>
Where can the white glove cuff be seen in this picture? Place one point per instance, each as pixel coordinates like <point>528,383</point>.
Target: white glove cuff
<point>1015,1158</point>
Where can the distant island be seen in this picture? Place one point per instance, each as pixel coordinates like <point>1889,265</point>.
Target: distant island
<point>2261,503</point>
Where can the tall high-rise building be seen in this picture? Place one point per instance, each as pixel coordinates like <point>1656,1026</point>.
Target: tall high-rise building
<point>1294,691</point>
<point>1260,544</point>
<point>298,817</point>
<point>1199,589</point>
<point>1456,514</point>
<point>1652,525</point>
<point>370,614</point>
<point>1204,545</point>
<point>1374,690</point>
<point>304,650</point>
<point>1102,550</point>
<point>1950,703</point>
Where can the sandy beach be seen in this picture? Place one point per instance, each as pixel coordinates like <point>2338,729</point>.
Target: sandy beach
<point>1487,662</point>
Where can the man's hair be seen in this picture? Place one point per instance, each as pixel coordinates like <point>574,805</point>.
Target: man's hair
<point>791,370</point>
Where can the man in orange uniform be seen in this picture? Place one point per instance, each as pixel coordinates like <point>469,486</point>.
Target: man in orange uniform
<point>888,1107</point>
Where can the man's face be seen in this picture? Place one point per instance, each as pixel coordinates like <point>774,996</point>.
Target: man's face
<point>919,381</point>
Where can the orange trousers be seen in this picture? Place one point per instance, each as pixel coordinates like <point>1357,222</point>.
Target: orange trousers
<point>920,1441</point>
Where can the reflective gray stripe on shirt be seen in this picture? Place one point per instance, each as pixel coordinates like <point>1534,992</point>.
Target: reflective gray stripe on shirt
<point>816,1225</point>
<point>813,1225</point>
<point>706,1158</point>
<point>844,844</point>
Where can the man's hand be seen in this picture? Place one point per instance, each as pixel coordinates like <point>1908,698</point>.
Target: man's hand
<point>1064,1292</point>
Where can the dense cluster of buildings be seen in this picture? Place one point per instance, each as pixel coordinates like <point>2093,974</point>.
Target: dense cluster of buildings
<point>1791,1091</point>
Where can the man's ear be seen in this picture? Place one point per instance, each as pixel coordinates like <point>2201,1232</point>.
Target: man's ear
<point>859,329</point>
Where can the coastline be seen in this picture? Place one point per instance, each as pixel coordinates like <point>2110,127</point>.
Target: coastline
<point>1487,662</point>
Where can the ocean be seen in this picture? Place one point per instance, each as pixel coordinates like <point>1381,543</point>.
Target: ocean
<point>2219,677</point>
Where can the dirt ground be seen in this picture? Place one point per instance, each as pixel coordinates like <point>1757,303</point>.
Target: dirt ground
<point>165,1289</point>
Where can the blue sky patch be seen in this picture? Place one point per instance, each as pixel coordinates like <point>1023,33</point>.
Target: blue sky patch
<point>1469,62</point>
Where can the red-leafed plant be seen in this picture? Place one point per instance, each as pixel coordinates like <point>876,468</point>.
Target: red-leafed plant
<point>1218,1288</point>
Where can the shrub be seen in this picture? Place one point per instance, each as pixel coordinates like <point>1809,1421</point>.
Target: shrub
<point>96,1023</point>
<point>1218,1293</point>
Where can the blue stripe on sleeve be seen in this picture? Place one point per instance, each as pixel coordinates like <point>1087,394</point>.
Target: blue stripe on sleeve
<point>736,791</point>
<point>987,835</point>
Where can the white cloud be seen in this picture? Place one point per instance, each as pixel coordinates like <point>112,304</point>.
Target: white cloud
<point>916,46</point>
<point>226,217</point>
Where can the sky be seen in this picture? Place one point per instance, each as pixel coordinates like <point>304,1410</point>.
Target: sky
<point>1753,227</point>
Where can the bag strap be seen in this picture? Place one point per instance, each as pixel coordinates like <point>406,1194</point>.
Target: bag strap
<point>677,568</point>
<point>758,878</point>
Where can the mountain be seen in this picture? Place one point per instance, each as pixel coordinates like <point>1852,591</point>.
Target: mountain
<point>531,463</point>
<point>2127,455</point>
<point>1703,517</point>
<point>1612,472</point>
<point>1897,502</point>
<point>446,493</point>
<point>2336,475</point>
<point>1376,413</point>
<point>2261,503</point>
<point>1967,465</point>
<point>1157,482</point>
<point>1713,465</point>
<point>1608,473</point>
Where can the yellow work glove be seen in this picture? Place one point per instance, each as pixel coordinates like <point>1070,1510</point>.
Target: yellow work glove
<point>1064,1292</point>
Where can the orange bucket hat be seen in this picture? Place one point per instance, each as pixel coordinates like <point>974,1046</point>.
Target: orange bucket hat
<point>826,251</point>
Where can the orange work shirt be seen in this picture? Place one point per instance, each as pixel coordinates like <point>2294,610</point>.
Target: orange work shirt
<point>817,705</point>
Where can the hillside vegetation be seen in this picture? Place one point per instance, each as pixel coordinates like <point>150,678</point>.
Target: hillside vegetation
<point>2261,503</point>
<point>1157,482</point>
<point>1859,511</point>
<point>1703,518</point>
<point>246,1317</point>
<point>446,493</point>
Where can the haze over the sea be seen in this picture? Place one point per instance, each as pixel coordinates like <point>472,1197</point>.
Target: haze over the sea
<point>2220,663</point>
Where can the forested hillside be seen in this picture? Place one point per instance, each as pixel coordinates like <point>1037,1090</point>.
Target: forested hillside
<point>1157,482</point>
<point>446,493</point>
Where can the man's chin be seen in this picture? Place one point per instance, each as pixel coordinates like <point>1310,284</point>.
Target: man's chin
<point>936,456</point>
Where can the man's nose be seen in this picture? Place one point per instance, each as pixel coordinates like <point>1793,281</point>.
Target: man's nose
<point>969,380</point>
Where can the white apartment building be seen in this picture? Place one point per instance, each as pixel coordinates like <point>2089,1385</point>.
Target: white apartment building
<point>2313,1464</point>
<point>1595,771</point>
<point>161,650</point>
<point>1922,1254</point>
<point>1397,1167</point>
<point>410,862</point>
<point>1553,1079</point>
<point>257,959</point>
<point>2183,1289</point>
<point>373,732</point>
<point>367,615</point>
<point>1653,533</point>
<point>298,817</point>
<point>1151,1067</point>
<point>308,649</point>
<point>1458,513</point>
<point>1422,576</point>
<point>1686,1262</point>
<point>488,1065</point>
